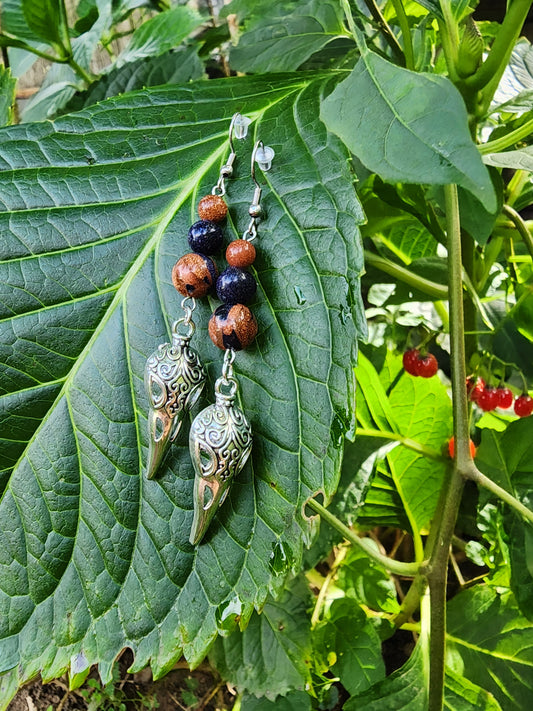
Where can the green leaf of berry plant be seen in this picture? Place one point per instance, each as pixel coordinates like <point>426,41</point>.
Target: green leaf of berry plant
<point>407,127</point>
<point>95,209</point>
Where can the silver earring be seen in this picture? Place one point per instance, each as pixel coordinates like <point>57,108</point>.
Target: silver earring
<point>220,439</point>
<point>174,375</point>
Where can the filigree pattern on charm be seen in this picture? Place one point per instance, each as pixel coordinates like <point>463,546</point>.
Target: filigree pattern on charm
<point>220,442</point>
<point>174,378</point>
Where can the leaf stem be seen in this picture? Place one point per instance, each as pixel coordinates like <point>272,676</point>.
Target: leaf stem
<point>406,441</point>
<point>406,34</point>
<point>315,617</point>
<point>430,288</point>
<point>490,72</point>
<point>521,227</point>
<point>438,563</point>
<point>80,71</point>
<point>450,40</point>
<point>473,473</point>
<point>396,567</point>
<point>501,144</point>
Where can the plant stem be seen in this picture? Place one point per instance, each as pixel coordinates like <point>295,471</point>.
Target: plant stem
<point>411,601</point>
<point>438,563</point>
<point>406,441</point>
<point>490,72</point>
<point>406,34</point>
<point>473,473</point>
<point>396,567</point>
<point>501,144</point>
<point>450,40</point>
<point>521,227</point>
<point>315,617</point>
<point>80,71</point>
<point>430,288</point>
<point>516,185</point>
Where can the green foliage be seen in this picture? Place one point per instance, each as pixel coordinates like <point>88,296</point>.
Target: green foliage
<point>406,126</point>
<point>273,655</point>
<point>97,316</point>
<point>402,99</point>
<point>282,36</point>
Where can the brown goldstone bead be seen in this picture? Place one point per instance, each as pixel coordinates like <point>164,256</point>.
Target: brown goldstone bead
<point>194,275</point>
<point>232,326</point>
<point>213,208</point>
<point>240,253</point>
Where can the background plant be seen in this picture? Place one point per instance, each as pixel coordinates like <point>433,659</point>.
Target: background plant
<point>431,114</point>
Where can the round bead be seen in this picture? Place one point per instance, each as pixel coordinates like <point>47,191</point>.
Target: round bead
<point>205,237</point>
<point>212,207</point>
<point>255,210</point>
<point>240,253</point>
<point>232,326</point>
<point>194,275</point>
<point>234,286</point>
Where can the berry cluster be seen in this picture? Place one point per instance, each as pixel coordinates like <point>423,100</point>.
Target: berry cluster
<point>232,325</point>
<point>489,398</point>
<point>417,364</point>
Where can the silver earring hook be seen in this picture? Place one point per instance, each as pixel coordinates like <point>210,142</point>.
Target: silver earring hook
<point>238,127</point>
<point>262,155</point>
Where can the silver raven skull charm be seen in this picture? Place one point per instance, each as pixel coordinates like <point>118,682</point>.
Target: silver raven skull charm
<point>220,442</point>
<point>174,378</point>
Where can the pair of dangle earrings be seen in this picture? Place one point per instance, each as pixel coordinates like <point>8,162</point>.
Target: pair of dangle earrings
<point>220,438</point>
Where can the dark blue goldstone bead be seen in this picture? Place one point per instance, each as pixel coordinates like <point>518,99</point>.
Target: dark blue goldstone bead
<point>235,286</point>
<point>205,237</point>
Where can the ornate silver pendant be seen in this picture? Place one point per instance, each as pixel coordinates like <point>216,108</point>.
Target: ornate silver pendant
<point>174,378</point>
<point>220,442</point>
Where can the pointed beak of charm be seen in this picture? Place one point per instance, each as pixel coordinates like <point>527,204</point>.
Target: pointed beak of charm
<point>220,442</point>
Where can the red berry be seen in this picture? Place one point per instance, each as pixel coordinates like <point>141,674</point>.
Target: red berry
<point>451,448</point>
<point>523,405</point>
<point>488,399</point>
<point>474,387</point>
<point>505,398</point>
<point>427,366</point>
<point>410,361</point>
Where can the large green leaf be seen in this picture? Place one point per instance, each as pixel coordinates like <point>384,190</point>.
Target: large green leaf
<point>491,644</point>
<point>406,688</point>
<point>161,33</point>
<point>347,644</point>
<point>273,655</point>
<point>407,126</point>
<point>95,211</point>
<point>460,694</point>
<point>515,90</point>
<point>281,36</point>
<point>507,458</point>
<point>176,67</point>
<point>45,18</point>
<point>421,409</point>
<point>521,159</point>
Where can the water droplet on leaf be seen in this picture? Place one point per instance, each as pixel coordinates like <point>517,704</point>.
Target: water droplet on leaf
<point>300,296</point>
<point>281,558</point>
